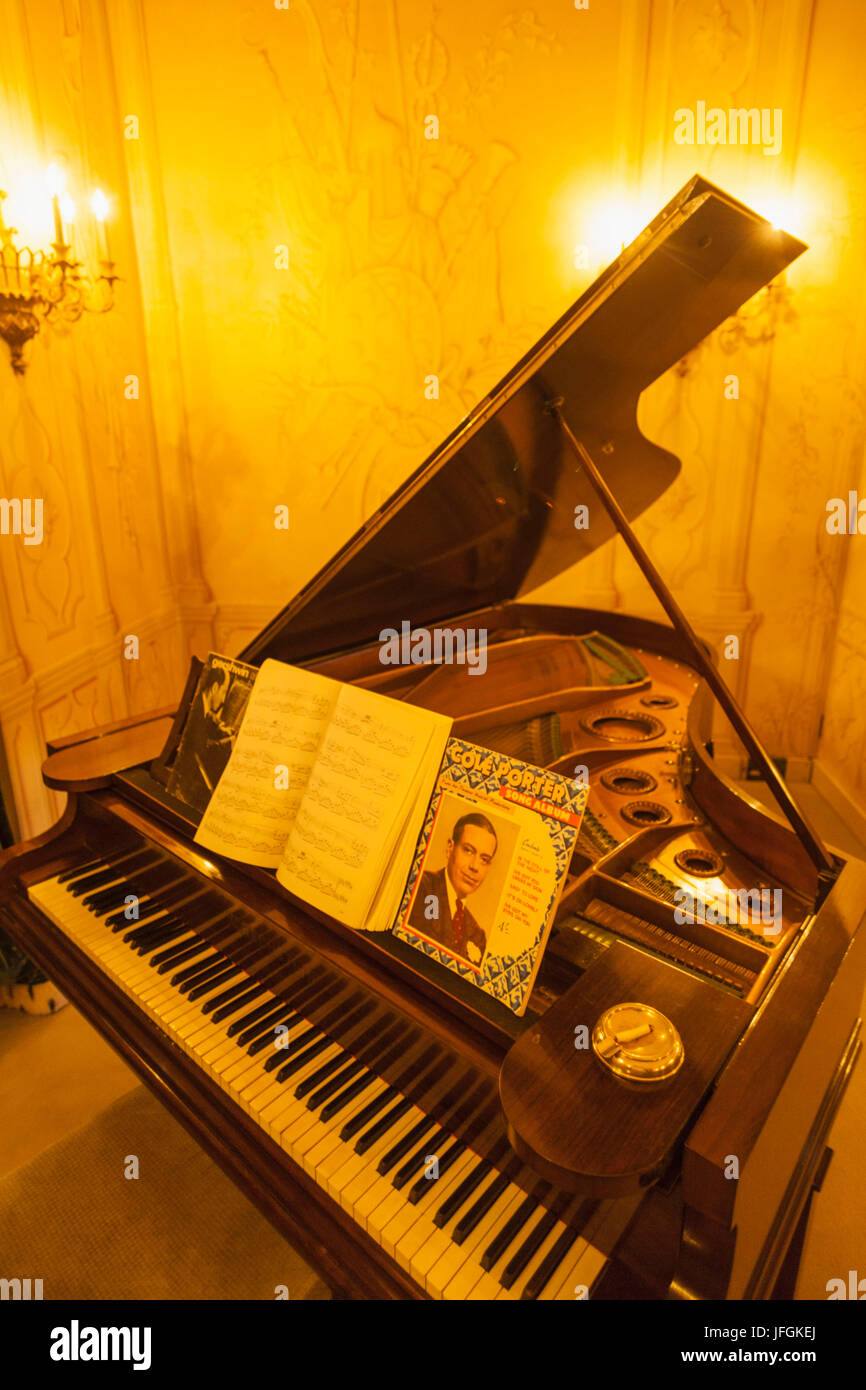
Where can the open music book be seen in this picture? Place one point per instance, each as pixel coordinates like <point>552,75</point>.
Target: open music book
<point>328,784</point>
<point>371,813</point>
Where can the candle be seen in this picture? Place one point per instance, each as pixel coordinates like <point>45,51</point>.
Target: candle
<point>67,212</point>
<point>56,181</point>
<point>99,204</point>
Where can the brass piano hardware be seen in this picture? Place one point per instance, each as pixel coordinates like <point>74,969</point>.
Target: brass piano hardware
<point>637,1043</point>
<point>658,701</point>
<point>622,726</point>
<point>627,781</point>
<point>700,863</point>
<point>645,813</point>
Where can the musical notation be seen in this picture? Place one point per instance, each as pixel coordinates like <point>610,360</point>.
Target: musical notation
<point>372,731</point>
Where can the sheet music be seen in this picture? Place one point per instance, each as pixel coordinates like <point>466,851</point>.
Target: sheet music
<point>374,759</point>
<point>258,795</point>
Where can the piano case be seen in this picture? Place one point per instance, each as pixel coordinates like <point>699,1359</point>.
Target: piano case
<point>561,1172</point>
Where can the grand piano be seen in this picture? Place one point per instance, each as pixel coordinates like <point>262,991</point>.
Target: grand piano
<point>559,1176</point>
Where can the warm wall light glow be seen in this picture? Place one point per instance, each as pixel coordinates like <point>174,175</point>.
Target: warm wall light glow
<point>28,208</point>
<point>56,180</point>
<point>609,226</point>
<point>67,208</point>
<point>786,211</point>
<point>99,204</point>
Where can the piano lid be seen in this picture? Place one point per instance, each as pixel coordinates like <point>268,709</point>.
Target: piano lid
<point>490,514</point>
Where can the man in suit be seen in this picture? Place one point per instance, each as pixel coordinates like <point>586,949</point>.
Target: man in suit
<point>439,911</point>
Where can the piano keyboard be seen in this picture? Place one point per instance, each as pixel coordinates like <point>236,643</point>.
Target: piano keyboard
<point>200,967</point>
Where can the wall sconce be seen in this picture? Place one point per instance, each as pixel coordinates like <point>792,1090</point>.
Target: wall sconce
<point>39,287</point>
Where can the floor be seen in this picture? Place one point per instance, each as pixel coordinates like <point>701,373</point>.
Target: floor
<point>57,1075</point>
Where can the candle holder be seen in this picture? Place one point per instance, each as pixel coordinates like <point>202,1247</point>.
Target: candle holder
<point>38,287</point>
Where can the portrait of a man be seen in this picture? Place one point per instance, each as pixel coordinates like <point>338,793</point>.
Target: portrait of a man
<point>440,909</point>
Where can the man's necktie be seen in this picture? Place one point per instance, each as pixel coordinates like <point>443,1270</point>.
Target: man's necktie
<point>459,925</point>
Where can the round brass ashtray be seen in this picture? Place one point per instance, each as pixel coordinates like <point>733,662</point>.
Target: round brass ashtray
<point>637,1043</point>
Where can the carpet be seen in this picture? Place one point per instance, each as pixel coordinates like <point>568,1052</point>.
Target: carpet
<point>180,1230</point>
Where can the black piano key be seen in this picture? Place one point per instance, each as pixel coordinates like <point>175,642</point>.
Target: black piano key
<point>442,1135</point>
<point>462,1192</point>
<point>99,900</point>
<point>80,870</point>
<point>153,896</point>
<point>277,977</point>
<point>321,1074</point>
<point>161,938</point>
<point>479,1209</point>
<point>113,864</point>
<point>293,1019</point>
<point>248,961</point>
<point>375,1132</point>
<point>138,937</point>
<point>391,1044</point>
<point>314,1031</point>
<point>205,987</point>
<point>96,865</point>
<point>158,877</point>
<point>540,1277</point>
<point>158,902</point>
<point>288,1069</point>
<point>206,969</point>
<point>262,1035</point>
<point>220,929</point>
<point>175,952</point>
<point>93,882</point>
<point>407,1077</point>
<point>237,998</point>
<point>534,1240</point>
<point>279,971</point>
<point>351,1093</point>
<point>368,1113</point>
<point>324,1040</point>
<point>203,910</point>
<point>350,1061</point>
<point>335,1084</point>
<point>203,971</point>
<point>191,971</point>
<point>178,954</point>
<point>422,1073</point>
<point>185,909</point>
<point>252,1019</point>
<point>511,1230</point>
<point>445,1161</point>
<point>160,933</point>
<point>309,1035</point>
<point>401,1148</point>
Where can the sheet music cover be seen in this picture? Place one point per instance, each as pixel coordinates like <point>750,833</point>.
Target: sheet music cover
<point>490,867</point>
<point>210,730</point>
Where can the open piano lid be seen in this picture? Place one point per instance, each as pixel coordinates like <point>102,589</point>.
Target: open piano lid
<point>490,514</point>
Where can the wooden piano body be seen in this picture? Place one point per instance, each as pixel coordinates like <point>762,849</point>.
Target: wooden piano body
<point>696,1187</point>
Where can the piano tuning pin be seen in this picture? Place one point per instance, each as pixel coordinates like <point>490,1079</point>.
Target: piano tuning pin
<point>607,447</point>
